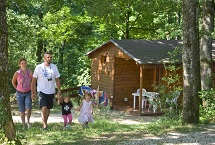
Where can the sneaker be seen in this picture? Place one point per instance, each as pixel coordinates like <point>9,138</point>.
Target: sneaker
<point>28,125</point>
<point>84,125</point>
<point>23,127</point>
<point>68,126</point>
<point>45,128</point>
<point>64,128</point>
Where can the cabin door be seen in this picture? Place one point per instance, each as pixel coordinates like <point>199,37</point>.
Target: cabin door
<point>126,81</point>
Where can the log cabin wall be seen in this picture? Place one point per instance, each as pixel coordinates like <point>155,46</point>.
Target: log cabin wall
<point>148,79</point>
<point>102,68</point>
<point>119,75</point>
<point>127,81</point>
<point>127,78</point>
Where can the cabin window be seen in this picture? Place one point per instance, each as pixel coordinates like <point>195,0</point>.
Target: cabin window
<point>103,59</point>
<point>159,75</point>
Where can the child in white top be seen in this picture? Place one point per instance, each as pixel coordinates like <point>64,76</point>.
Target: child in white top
<point>86,110</point>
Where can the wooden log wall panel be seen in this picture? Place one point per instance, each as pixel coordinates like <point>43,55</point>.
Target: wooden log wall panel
<point>148,76</point>
<point>102,74</point>
<point>126,79</point>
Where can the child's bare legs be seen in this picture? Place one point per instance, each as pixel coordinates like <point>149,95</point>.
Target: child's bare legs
<point>65,121</point>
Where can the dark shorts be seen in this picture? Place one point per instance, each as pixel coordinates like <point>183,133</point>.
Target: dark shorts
<point>46,100</point>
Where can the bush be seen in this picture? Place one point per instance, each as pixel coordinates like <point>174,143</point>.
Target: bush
<point>207,108</point>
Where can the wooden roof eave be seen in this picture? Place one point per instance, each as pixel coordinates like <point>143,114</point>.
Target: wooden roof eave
<point>92,51</point>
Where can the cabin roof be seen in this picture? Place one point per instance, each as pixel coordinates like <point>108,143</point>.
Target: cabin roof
<point>146,51</point>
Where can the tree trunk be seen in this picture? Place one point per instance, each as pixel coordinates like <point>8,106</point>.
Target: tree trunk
<point>206,44</point>
<point>60,52</point>
<point>191,64</point>
<point>127,19</point>
<point>40,45</point>
<point>39,49</point>
<point>6,122</point>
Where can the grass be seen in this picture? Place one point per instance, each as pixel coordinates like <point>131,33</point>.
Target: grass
<point>104,131</point>
<point>101,132</point>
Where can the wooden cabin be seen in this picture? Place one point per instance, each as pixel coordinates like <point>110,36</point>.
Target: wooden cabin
<point>120,67</point>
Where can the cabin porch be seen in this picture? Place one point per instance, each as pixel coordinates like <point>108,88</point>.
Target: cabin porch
<point>131,111</point>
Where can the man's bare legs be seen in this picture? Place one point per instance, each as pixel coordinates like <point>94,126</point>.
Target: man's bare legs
<point>45,115</point>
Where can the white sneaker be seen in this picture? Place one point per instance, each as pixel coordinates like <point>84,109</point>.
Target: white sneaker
<point>84,125</point>
<point>28,125</point>
<point>23,127</point>
<point>68,126</point>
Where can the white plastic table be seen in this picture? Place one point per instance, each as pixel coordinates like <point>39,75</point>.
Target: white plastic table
<point>150,95</point>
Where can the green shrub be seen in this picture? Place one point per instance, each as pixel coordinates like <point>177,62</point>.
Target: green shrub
<point>170,86</point>
<point>207,108</point>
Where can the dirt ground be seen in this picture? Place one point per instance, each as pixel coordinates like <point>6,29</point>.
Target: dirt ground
<point>112,114</point>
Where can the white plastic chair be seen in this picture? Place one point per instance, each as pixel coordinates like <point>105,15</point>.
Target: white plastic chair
<point>144,99</point>
<point>174,101</point>
<point>153,101</point>
<point>176,94</point>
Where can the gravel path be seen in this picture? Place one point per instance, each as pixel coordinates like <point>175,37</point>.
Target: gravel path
<point>206,137</point>
<point>36,117</point>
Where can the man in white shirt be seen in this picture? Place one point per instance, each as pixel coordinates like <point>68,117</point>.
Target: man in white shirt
<point>46,74</point>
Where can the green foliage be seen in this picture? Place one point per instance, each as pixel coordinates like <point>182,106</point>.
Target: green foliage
<point>136,19</point>
<point>168,20</point>
<point>67,35</point>
<point>207,109</point>
<point>5,141</point>
<point>122,19</point>
<point>171,85</point>
<point>21,31</point>
<point>71,29</point>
